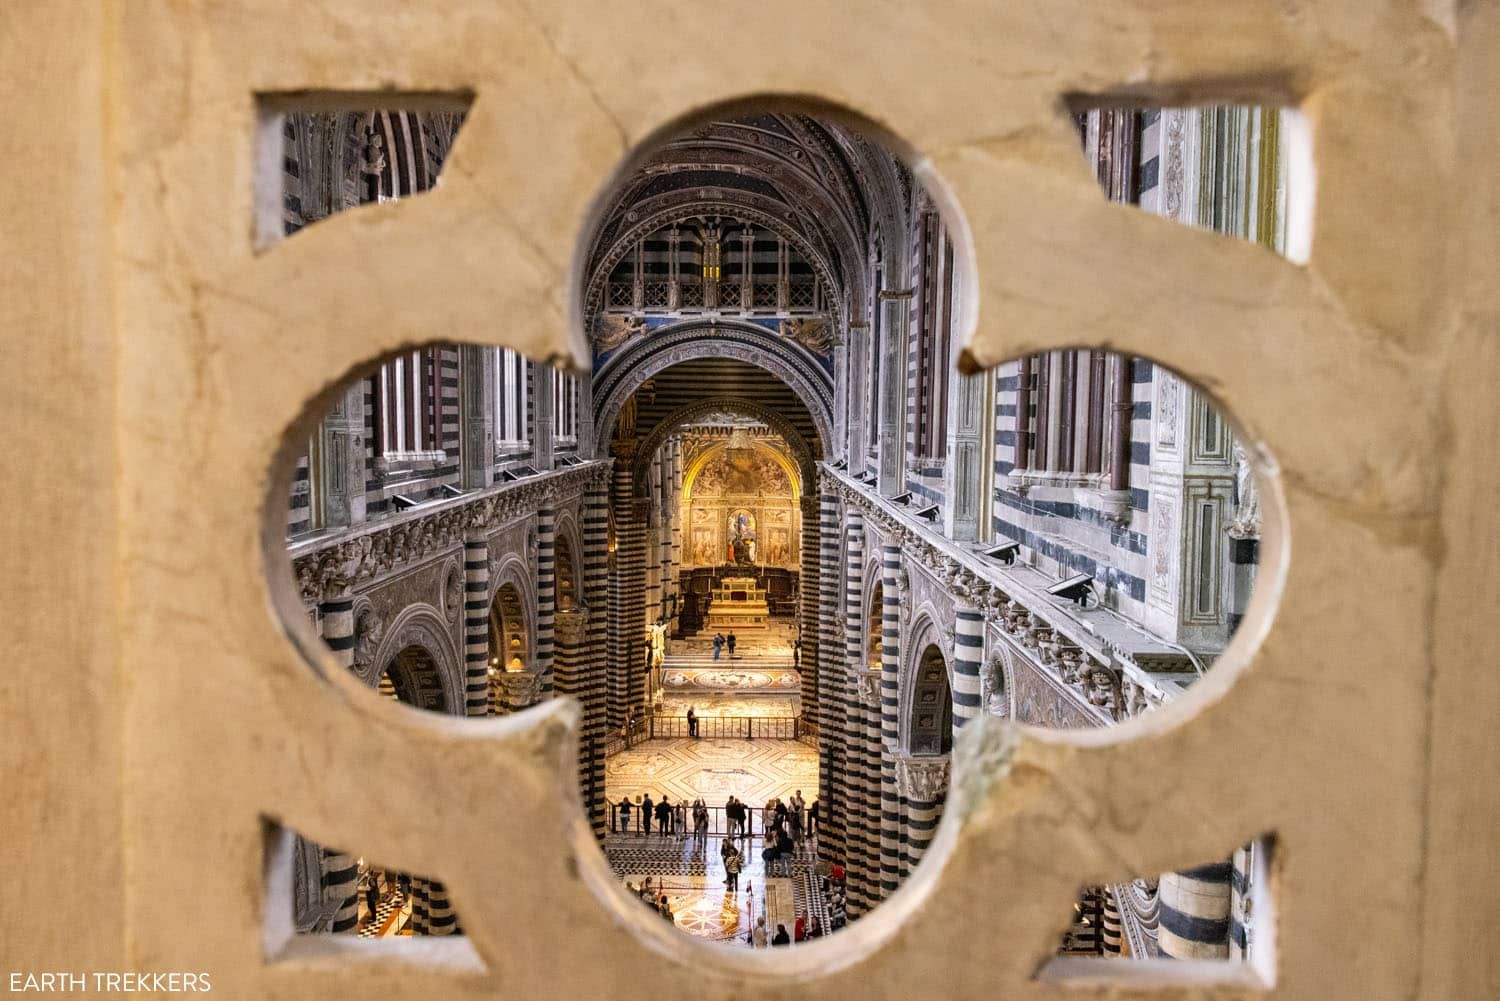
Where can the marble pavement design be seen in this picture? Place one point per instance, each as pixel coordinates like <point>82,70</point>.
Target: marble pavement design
<point>753,770</point>
<point>730,679</point>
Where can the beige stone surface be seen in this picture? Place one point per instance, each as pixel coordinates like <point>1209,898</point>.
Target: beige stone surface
<point>159,707</point>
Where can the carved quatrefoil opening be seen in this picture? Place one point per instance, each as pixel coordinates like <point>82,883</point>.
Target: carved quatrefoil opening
<point>777,547</point>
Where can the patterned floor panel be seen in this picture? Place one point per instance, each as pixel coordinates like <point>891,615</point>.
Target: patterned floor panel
<point>690,873</point>
<point>752,770</point>
<point>730,678</point>
<point>706,704</point>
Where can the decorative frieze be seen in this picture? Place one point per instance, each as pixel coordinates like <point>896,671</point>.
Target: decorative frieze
<point>326,567</point>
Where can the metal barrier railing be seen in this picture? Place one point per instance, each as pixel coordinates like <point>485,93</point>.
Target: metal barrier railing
<point>682,823</point>
<point>719,727</point>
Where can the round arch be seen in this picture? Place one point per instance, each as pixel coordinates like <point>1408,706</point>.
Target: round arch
<point>745,342</point>
<point>509,630</point>
<point>874,624</point>
<point>928,717</point>
<point>793,472</point>
<point>423,627</point>
<point>567,570</point>
<point>806,470</point>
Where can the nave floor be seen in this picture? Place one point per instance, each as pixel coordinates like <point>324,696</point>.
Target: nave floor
<point>689,871</point>
<point>751,770</point>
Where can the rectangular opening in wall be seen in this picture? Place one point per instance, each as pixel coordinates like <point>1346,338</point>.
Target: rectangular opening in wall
<point>1213,923</point>
<point>317,155</point>
<point>322,901</point>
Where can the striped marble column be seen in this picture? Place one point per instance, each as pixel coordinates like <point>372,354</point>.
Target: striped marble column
<point>968,658</point>
<point>890,666</point>
<point>478,700</point>
<point>676,513</point>
<point>808,597</point>
<point>863,809</point>
<point>1111,930</point>
<point>340,870</point>
<point>924,788</point>
<point>593,693</point>
<point>627,630</point>
<point>572,626</point>
<point>835,711</point>
<point>440,917</point>
<point>546,597</point>
<point>830,608</point>
<point>1195,913</point>
<point>419,906</point>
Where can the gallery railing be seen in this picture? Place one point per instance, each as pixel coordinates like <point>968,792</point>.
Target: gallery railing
<point>713,727</point>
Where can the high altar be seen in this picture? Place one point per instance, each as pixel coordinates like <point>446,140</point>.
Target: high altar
<point>739,605</point>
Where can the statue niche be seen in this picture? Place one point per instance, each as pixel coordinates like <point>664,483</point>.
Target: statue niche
<point>742,537</point>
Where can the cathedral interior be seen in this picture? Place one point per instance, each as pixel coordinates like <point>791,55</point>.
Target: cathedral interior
<point>779,540</point>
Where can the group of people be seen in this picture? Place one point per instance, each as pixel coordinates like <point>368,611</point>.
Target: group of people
<point>803,931</point>
<point>671,818</point>
<point>655,898</point>
<point>721,641</point>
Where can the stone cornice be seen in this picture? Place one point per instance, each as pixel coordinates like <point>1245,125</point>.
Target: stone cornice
<point>1102,673</point>
<point>330,564</point>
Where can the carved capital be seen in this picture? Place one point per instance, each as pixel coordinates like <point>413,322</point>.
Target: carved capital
<point>923,779</point>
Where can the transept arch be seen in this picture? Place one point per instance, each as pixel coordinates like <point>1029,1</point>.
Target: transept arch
<point>801,372</point>
<point>804,474</point>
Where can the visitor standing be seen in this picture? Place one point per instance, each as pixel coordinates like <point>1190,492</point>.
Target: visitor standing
<point>758,936</point>
<point>372,895</point>
<point>692,722</point>
<point>646,813</point>
<point>782,938</point>
<point>718,644</point>
<point>733,863</point>
<point>730,641</point>
<point>700,820</point>
<point>624,815</point>
<point>664,816</point>
<point>812,819</point>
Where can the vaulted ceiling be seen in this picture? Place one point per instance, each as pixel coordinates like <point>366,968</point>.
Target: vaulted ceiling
<point>821,185</point>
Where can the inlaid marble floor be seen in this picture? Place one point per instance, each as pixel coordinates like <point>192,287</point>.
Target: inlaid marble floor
<point>752,770</point>
<point>705,704</point>
<point>691,874</point>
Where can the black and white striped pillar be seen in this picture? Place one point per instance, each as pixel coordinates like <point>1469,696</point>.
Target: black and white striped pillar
<point>477,689</point>
<point>1112,933</point>
<point>546,597</point>
<point>890,668</point>
<point>340,875</point>
<point>830,608</point>
<point>1195,913</point>
<point>808,596</point>
<point>594,691</point>
<point>924,788</point>
<point>968,659</point>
